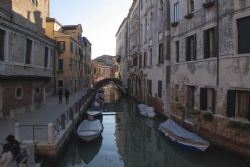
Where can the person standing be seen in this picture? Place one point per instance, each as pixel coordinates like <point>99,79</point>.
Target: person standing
<point>67,95</point>
<point>60,94</point>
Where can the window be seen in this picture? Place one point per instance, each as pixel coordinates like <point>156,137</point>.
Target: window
<point>95,70</point>
<point>135,61</point>
<point>28,51</point>
<point>60,64</point>
<point>38,90</point>
<point>150,87</point>
<point>190,6</point>
<point>159,89</point>
<point>161,52</point>
<point>71,47</point>
<point>209,43</point>
<point>176,93</point>
<point>191,48</point>
<point>46,57</point>
<point>19,93</point>
<point>2,44</point>
<point>243,35</point>
<point>177,50</point>
<point>238,104</point>
<point>61,46</point>
<point>176,12</point>
<point>190,100</point>
<point>145,59</point>
<point>151,56</point>
<point>60,83</point>
<point>207,99</point>
<point>140,61</point>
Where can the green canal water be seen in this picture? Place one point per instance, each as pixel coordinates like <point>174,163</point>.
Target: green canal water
<point>129,140</point>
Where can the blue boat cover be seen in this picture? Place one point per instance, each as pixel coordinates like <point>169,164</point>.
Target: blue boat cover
<point>179,131</point>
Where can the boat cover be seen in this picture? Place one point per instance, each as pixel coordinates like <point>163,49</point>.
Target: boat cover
<point>179,131</point>
<point>87,125</point>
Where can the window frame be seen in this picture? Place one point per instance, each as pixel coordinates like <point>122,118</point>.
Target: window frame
<point>176,12</point>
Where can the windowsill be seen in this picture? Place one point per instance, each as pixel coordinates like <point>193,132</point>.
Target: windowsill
<point>189,16</point>
<point>160,64</point>
<point>174,24</point>
<point>208,4</point>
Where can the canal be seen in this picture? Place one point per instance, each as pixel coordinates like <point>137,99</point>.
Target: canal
<point>129,140</point>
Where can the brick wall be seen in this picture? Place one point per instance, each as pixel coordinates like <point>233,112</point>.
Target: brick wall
<point>29,97</point>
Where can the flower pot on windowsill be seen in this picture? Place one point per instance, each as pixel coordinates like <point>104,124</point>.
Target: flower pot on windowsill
<point>195,111</point>
<point>237,124</point>
<point>207,116</point>
<point>174,24</point>
<point>208,4</point>
<point>60,71</point>
<point>189,16</point>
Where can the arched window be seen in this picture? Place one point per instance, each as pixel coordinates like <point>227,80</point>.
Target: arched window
<point>190,6</point>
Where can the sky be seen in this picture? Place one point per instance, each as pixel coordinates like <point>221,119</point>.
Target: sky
<point>100,20</point>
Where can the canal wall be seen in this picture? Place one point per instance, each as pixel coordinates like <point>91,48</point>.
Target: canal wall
<point>57,134</point>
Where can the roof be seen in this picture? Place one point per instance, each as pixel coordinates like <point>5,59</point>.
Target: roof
<point>86,39</point>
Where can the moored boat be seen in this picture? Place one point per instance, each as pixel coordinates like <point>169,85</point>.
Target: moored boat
<point>89,129</point>
<point>94,112</point>
<point>146,111</point>
<point>182,136</point>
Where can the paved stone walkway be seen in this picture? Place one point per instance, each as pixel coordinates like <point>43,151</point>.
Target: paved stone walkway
<point>49,112</point>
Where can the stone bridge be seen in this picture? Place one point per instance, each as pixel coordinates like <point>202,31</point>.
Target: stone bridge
<point>108,81</point>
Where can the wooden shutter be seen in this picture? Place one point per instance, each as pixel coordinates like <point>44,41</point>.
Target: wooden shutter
<point>249,107</point>
<point>187,49</point>
<point>28,51</point>
<point>203,98</point>
<point>206,51</point>
<point>243,35</point>
<point>231,97</point>
<point>195,48</point>
<point>214,101</point>
<point>2,36</point>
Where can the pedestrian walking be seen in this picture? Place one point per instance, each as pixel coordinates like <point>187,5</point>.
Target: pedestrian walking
<point>14,144</point>
<point>67,95</point>
<point>7,158</point>
<point>60,95</point>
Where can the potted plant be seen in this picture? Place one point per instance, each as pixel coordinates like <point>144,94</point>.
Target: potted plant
<point>174,24</point>
<point>208,4</point>
<point>189,16</point>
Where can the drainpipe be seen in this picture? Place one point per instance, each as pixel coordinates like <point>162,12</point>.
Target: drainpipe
<point>218,43</point>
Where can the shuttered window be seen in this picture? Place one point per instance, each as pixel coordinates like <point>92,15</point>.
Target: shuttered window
<point>243,35</point>
<point>231,96</point>
<point>46,57</point>
<point>160,89</point>
<point>161,53</point>
<point>150,87</point>
<point>209,43</point>
<point>60,64</point>
<point>28,51</point>
<point>203,98</point>
<point>177,51</point>
<point>191,48</point>
<point>2,44</point>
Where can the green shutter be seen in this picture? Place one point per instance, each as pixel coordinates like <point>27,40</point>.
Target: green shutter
<point>203,98</point>
<point>231,96</point>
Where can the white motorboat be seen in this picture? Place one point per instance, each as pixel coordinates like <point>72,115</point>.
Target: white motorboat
<point>147,111</point>
<point>182,136</point>
<point>89,129</point>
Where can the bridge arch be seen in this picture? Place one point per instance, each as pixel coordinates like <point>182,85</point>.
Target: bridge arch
<point>108,81</point>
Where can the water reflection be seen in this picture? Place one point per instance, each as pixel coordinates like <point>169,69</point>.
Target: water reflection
<point>130,140</point>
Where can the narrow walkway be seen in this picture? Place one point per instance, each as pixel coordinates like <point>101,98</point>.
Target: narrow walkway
<point>49,112</point>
